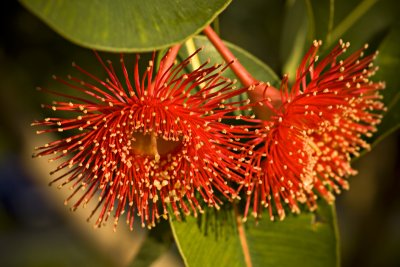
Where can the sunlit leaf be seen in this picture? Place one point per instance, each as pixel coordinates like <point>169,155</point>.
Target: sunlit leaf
<point>210,240</point>
<point>126,25</point>
<point>213,240</point>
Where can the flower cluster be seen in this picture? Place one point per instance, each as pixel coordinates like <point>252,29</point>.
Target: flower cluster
<point>161,145</point>
<point>304,150</point>
<point>153,146</point>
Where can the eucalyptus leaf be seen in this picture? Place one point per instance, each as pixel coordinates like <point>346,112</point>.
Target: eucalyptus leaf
<point>308,239</point>
<point>209,240</point>
<point>126,25</point>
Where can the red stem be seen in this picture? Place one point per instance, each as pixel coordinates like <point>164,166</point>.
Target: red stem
<point>243,75</point>
<point>259,93</point>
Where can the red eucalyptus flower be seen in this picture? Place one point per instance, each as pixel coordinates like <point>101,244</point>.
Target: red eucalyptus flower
<point>147,146</point>
<point>305,149</point>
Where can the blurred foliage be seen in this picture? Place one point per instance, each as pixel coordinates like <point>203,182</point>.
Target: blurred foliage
<point>389,64</point>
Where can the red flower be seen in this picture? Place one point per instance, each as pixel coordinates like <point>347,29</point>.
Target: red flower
<point>147,144</point>
<point>306,147</point>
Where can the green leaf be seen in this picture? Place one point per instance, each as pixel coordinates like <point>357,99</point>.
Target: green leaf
<point>209,240</point>
<point>126,25</point>
<point>388,61</point>
<point>213,238</point>
<point>308,239</point>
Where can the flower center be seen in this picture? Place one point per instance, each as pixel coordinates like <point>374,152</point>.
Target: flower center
<point>152,145</point>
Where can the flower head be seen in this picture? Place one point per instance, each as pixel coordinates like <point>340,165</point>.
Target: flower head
<point>150,146</point>
<point>305,149</point>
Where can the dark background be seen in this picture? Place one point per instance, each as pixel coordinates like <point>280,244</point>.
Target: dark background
<point>35,232</point>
